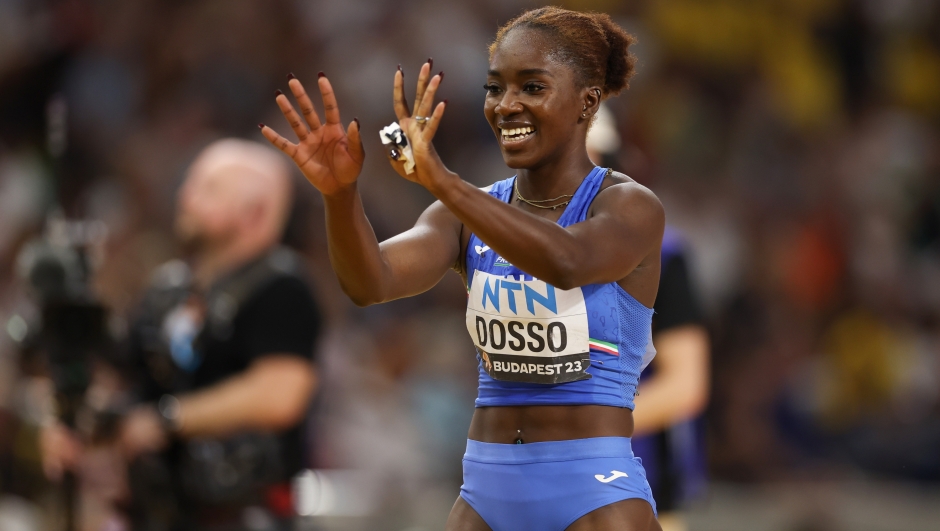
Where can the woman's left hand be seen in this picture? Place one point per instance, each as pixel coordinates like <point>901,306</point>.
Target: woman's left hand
<point>420,128</point>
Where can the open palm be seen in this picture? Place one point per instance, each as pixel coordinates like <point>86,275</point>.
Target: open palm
<point>329,156</point>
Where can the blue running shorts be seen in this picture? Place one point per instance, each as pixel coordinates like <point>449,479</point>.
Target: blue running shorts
<point>546,486</point>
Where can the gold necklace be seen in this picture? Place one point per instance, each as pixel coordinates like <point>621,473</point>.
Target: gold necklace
<point>534,202</point>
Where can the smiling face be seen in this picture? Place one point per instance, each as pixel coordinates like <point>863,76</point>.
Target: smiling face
<point>533,101</point>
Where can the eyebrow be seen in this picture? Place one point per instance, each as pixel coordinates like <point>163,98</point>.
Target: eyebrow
<point>526,72</point>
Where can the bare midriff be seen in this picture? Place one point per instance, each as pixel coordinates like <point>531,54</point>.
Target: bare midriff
<point>528,424</point>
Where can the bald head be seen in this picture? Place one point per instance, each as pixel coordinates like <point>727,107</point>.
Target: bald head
<point>235,190</point>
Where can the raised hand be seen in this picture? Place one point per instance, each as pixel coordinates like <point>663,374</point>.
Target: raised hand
<point>420,126</point>
<point>329,156</point>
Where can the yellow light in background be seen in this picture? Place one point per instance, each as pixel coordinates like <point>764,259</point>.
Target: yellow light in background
<point>911,74</point>
<point>805,85</point>
<point>720,34</point>
<point>773,37</point>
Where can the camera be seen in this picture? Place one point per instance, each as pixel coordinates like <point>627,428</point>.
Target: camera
<point>72,329</point>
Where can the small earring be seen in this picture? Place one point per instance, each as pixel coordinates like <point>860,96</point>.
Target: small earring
<point>583,115</point>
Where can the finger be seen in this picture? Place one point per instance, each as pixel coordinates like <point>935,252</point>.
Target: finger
<point>278,141</point>
<point>330,107</point>
<point>423,106</point>
<point>423,76</point>
<point>292,117</point>
<point>434,121</point>
<point>306,105</point>
<point>355,141</point>
<point>398,96</point>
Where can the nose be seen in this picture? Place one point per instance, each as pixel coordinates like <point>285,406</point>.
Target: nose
<point>509,104</point>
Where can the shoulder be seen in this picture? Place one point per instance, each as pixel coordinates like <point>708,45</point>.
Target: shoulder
<point>620,193</point>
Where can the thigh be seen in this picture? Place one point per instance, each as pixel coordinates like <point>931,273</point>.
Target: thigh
<point>626,515</point>
<point>464,518</point>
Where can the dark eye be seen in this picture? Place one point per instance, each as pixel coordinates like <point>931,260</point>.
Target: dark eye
<point>533,87</point>
<point>491,88</point>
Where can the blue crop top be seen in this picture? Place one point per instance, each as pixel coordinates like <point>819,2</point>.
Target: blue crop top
<point>539,345</point>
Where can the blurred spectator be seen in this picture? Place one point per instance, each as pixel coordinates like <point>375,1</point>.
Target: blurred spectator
<point>673,392</point>
<point>221,356</point>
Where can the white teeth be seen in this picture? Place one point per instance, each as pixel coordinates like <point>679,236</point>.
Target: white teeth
<point>517,131</point>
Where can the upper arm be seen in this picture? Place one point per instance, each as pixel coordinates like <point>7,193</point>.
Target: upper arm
<point>626,227</point>
<point>418,258</point>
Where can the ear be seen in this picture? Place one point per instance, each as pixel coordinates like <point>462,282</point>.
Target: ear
<point>254,213</point>
<point>591,98</point>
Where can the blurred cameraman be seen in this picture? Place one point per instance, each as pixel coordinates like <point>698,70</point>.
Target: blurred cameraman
<point>219,357</point>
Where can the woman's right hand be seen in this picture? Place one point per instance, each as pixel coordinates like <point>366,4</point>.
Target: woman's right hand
<point>329,156</point>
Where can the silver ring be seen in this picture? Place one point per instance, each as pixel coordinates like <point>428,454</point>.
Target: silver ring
<point>421,119</point>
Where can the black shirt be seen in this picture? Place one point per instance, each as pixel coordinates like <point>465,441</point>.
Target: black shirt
<point>676,304</point>
<point>276,316</point>
<point>263,308</point>
<point>279,318</point>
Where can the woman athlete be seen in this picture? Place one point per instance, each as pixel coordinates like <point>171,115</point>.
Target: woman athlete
<point>561,264</point>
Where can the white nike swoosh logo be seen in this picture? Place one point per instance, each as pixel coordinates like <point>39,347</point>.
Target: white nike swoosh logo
<point>481,250</point>
<point>614,474</point>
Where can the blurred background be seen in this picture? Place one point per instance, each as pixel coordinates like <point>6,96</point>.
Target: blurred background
<point>794,143</point>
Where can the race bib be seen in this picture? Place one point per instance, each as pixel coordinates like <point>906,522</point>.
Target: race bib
<point>527,330</point>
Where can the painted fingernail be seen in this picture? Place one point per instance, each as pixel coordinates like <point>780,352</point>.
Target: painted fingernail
<point>445,102</point>
<point>291,76</point>
<point>320,74</point>
<point>278,93</point>
<point>430,62</point>
<point>400,70</point>
<point>260,126</point>
<point>442,75</point>
<point>357,123</point>
<point>393,153</point>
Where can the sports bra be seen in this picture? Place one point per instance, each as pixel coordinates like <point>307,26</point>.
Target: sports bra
<point>539,345</point>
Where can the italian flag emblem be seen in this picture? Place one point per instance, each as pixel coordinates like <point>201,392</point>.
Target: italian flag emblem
<point>604,346</point>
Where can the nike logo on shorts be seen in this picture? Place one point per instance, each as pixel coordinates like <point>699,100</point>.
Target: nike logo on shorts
<point>481,250</point>
<point>614,474</point>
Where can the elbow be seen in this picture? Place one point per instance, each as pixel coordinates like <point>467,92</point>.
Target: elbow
<point>362,297</point>
<point>565,282</point>
<point>565,274</point>
<point>697,404</point>
<point>362,301</point>
<point>290,395</point>
<point>285,417</point>
<point>288,412</point>
<point>696,400</point>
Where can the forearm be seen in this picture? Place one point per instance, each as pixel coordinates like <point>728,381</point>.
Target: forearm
<point>659,406</point>
<point>354,250</point>
<point>538,246</point>
<point>678,390</point>
<point>272,398</point>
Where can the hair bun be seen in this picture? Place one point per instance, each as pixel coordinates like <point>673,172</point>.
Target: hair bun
<point>620,62</point>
